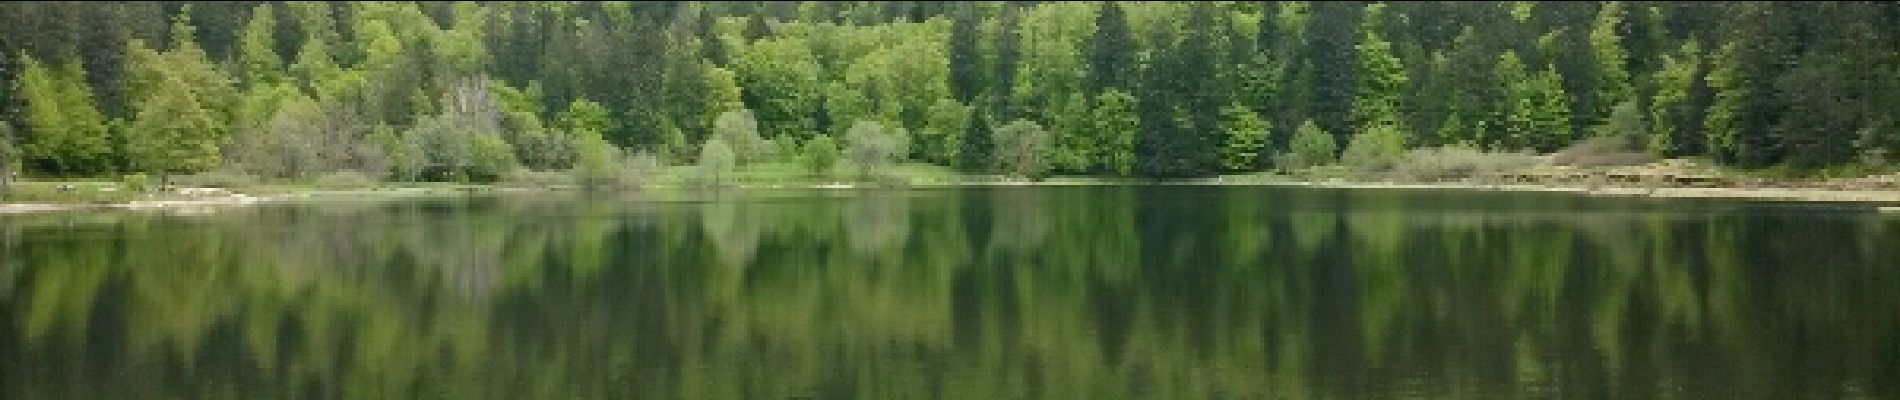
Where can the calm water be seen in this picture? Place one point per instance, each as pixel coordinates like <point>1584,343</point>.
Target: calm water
<point>1104,292</point>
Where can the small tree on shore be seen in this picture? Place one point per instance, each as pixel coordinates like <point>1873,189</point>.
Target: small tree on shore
<point>820,154</point>
<point>1020,150</point>
<point>716,161</point>
<point>1310,146</point>
<point>1377,149</point>
<point>739,129</point>
<point>870,146</point>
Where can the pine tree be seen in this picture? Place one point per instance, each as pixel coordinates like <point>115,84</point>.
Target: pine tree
<point>1111,51</point>
<point>979,148</point>
<point>261,65</point>
<point>1180,113</point>
<point>1382,77</point>
<point>1116,119</point>
<point>68,133</point>
<point>1331,61</point>
<point>1668,114</point>
<point>1246,136</point>
<point>1536,110</point>
<point>966,75</point>
<point>173,132</point>
<point>1003,72</point>
<point>1724,123</point>
<point>1613,78</point>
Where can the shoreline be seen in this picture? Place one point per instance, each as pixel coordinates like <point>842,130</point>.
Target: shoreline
<point>1884,201</point>
<point>1872,197</point>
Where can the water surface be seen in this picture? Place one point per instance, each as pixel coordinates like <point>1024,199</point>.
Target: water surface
<point>1070,292</point>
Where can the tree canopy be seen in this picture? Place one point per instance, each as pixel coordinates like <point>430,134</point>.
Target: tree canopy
<point>1151,89</point>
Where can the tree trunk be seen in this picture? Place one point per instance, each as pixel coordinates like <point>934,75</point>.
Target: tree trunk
<point>6,166</point>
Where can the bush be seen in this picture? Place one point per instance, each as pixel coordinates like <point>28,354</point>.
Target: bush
<point>135,182</point>
<point>341,180</point>
<point>1310,146</point>
<point>490,157</point>
<point>642,166</point>
<point>870,146</point>
<point>227,179</point>
<point>716,162</point>
<point>525,178</point>
<point>1375,150</point>
<point>1020,147</point>
<point>740,130</point>
<point>1604,151</point>
<point>1453,163</point>
<point>819,155</point>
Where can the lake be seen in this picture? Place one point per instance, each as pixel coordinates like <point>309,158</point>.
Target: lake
<point>984,293</point>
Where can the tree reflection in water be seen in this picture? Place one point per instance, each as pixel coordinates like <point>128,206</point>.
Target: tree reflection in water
<point>1089,292</point>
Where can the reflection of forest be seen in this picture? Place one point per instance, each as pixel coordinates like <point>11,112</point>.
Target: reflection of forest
<point>1002,293</point>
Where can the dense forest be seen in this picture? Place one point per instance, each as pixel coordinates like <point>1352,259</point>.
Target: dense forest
<point>470,90</point>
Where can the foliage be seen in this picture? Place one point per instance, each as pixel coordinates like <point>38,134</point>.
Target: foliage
<point>1456,163</point>
<point>1115,119</point>
<point>1309,147</point>
<point>344,180</point>
<point>1671,129</point>
<point>739,130</point>
<point>8,159</point>
<point>1625,120</point>
<point>942,135</point>
<point>1022,148</point>
<point>1246,135</point>
<point>869,146</point>
<point>1120,88</point>
<point>173,133</point>
<point>1606,150</point>
<point>1536,112</point>
<point>464,142</point>
<point>820,154</point>
<point>1377,149</point>
<point>67,134</point>
<point>217,178</point>
<point>716,162</point>
<point>527,178</point>
<point>1382,76</point>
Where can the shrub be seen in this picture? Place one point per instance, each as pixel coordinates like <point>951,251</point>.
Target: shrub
<point>135,182</point>
<point>526,178</point>
<point>782,149</point>
<point>1020,147</point>
<point>740,130</point>
<point>820,154</point>
<point>870,146</point>
<point>641,166</point>
<point>223,178</point>
<point>716,162</point>
<point>594,155</point>
<point>490,157</point>
<point>1310,146</point>
<point>339,180</point>
<point>1246,134</point>
<point>1604,151</point>
<point>1452,163</point>
<point>1375,150</point>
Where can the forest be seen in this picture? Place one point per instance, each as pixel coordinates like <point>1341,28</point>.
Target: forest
<point>472,91</point>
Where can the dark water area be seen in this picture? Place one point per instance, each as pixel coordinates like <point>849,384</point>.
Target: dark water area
<point>1041,292</point>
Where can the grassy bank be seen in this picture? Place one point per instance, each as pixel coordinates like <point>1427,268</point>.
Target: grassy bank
<point>1423,169</point>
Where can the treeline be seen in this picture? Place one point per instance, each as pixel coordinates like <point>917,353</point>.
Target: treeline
<point>465,90</point>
